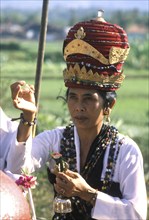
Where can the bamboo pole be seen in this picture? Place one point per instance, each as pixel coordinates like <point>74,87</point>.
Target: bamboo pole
<point>40,58</point>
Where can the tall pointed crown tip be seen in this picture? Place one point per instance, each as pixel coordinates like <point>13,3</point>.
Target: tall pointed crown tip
<point>100,15</point>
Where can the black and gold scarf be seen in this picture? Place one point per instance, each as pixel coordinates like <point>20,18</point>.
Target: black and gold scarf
<point>92,169</point>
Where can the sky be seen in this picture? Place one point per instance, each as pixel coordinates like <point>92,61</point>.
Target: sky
<point>142,5</point>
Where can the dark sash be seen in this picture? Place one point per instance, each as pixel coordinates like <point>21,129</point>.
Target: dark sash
<point>82,209</point>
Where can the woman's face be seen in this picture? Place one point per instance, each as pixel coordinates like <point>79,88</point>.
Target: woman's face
<point>85,107</point>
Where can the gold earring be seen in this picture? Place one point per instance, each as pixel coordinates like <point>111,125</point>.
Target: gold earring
<point>107,119</point>
<point>107,116</point>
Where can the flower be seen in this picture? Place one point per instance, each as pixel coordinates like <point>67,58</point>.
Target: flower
<point>61,165</point>
<point>27,181</point>
<point>56,155</point>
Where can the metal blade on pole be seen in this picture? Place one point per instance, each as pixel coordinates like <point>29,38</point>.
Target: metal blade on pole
<point>40,58</point>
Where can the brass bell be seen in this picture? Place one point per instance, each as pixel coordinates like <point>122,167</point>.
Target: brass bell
<point>62,205</point>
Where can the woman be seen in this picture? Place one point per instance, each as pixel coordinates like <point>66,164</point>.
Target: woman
<point>105,179</point>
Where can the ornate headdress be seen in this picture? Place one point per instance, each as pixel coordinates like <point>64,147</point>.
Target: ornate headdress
<point>94,52</point>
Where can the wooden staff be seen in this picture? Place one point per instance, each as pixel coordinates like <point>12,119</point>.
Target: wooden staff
<point>40,58</point>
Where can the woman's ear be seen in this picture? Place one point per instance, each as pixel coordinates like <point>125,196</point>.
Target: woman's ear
<point>112,103</point>
<point>107,111</point>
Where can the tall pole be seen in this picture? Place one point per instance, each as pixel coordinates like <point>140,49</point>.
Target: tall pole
<point>41,48</point>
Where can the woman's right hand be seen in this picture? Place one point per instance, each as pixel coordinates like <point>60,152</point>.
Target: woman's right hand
<point>23,97</point>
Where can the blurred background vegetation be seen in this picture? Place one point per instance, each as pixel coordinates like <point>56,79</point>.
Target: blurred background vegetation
<point>18,62</point>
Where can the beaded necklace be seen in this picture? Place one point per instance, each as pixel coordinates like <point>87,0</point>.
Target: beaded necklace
<point>108,136</point>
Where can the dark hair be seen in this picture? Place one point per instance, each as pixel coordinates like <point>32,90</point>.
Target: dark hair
<point>107,97</point>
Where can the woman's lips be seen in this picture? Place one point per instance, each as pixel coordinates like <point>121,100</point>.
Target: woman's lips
<point>80,118</point>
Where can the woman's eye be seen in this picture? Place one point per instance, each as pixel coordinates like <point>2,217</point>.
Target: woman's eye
<point>88,98</point>
<point>72,97</point>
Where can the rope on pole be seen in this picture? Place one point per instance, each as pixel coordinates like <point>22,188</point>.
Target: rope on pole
<point>40,58</point>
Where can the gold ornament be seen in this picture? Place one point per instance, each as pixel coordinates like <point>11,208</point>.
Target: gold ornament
<point>81,74</point>
<point>116,54</point>
<point>80,33</point>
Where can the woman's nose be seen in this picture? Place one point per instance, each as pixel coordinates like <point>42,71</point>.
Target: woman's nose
<point>79,107</point>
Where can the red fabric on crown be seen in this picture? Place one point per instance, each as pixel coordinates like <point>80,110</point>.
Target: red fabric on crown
<point>102,36</point>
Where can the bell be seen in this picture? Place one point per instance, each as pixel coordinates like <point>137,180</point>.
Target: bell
<point>62,205</point>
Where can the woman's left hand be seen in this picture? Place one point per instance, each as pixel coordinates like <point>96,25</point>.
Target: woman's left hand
<point>72,184</point>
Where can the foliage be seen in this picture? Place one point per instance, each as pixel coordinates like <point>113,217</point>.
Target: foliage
<point>66,17</point>
<point>20,17</point>
<point>137,59</point>
<point>130,113</point>
<point>139,54</point>
<point>10,46</point>
<point>43,196</point>
<point>5,93</point>
<point>125,18</point>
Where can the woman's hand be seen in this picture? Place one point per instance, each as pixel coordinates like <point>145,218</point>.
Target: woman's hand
<point>23,97</point>
<point>72,184</point>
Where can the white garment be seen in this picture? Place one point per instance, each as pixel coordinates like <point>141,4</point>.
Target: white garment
<point>8,130</point>
<point>128,172</point>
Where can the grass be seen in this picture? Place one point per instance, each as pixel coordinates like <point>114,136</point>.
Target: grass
<point>130,113</point>
<point>43,197</point>
<point>131,103</point>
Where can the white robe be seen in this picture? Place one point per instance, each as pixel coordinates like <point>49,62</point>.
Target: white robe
<point>8,130</point>
<point>128,172</point>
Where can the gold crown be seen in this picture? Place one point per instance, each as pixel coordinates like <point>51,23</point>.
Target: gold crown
<point>82,75</point>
